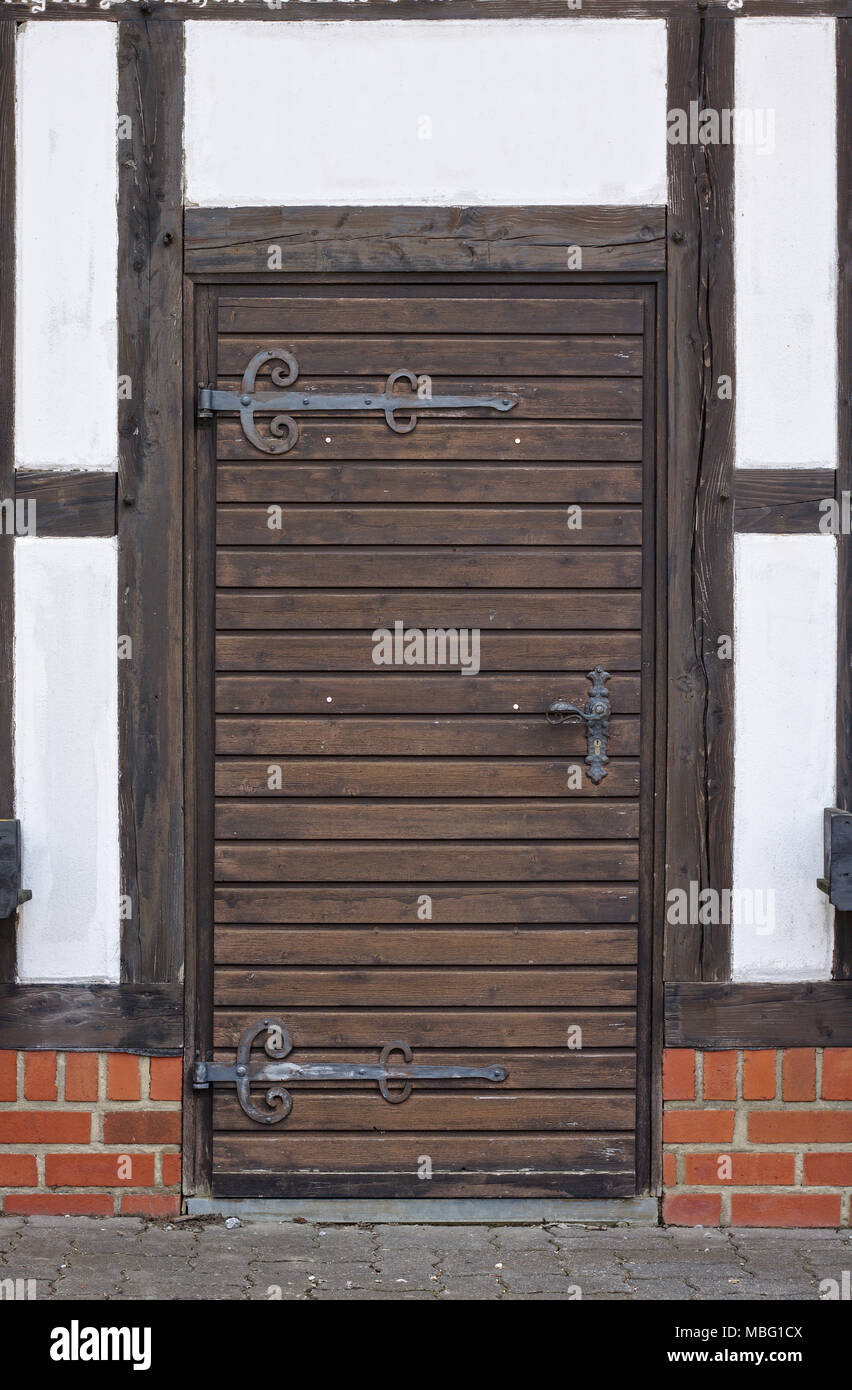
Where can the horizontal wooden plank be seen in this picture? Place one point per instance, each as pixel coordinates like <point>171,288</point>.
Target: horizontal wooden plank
<point>406,861</point>
<point>560,311</point>
<point>376,903</point>
<point>509,355</point>
<point>145,1019</point>
<point>421,777</point>
<point>270,651</point>
<point>558,609</point>
<point>571,484</point>
<point>24,11</point>
<point>472,1112</point>
<point>410,987</point>
<point>389,1183</point>
<point>342,438</point>
<point>457,1029</point>
<point>281,1151</point>
<point>65,502</point>
<point>390,525</point>
<point>536,398</point>
<point>236,240</point>
<point>782,501</point>
<point>417,736</point>
<point>430,820</point>
<point>383,692</point>
<point>798,1014</point>
<point>424,945</point>
<point>553,567</point>
<point>564,1070</point>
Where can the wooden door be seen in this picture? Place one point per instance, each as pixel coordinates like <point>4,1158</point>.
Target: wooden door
<point>407,853</point>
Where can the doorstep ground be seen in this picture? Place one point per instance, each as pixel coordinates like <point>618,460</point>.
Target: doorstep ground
<point>128,1258</point>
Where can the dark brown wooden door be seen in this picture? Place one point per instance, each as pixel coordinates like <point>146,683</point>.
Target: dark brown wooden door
<point>425,864</point>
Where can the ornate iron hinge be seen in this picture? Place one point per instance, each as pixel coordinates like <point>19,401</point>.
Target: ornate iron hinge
<point>284,429</point>
<point>596,719</point>
<point>279,1044</point>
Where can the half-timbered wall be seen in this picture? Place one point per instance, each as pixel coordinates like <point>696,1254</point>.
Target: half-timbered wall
<point>508,112</point>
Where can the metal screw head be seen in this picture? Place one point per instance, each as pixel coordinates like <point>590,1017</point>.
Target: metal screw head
<point>245,400</point>
<point>241,1070</point>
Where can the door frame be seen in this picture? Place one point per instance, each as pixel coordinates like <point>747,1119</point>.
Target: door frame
<point>327,246</point>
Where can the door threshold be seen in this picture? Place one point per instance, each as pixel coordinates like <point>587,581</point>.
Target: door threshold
<point>630,1211</point>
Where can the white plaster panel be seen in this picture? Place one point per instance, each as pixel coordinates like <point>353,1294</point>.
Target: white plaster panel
<point>409,112</point>
<point>786,246</point>
<point>66,755</point>
<point>785,677</point>
<point>66,407</point>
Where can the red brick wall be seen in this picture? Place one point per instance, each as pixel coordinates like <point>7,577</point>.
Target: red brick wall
<point>757,1138</point>
<point>89,1133</point>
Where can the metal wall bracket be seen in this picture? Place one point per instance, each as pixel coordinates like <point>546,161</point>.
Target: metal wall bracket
<point>12,895</point>
<point>596,719</point>
<point>400,409</point>
<point>279,1044</point>
<point>837,858</point>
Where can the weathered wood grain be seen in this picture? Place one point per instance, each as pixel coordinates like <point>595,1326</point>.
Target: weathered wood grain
<point>146,1019</point>
<point>237,240</point>
<point>150,521</point>
<point>781,501</point>
<point>715,1016</point>
<point>700,577</point>
<point>68,503</point>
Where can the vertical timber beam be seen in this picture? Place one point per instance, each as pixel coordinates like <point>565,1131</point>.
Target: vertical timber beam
<point>843,920</point>
<point>8,954</point>
<point>150,577</point>
<point>700,541</point>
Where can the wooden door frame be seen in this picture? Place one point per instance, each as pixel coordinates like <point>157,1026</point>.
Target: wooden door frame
<point>325,246</point>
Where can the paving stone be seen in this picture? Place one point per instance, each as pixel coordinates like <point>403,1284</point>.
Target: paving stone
<point>11,1231</point>
<point>653,1290</point>
<point>470,1289</point>
<point>521,1237</point>
<point>286,1241</point>
<point>345,1243</point>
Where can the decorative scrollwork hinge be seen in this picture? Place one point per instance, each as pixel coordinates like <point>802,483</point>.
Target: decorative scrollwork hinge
<point>279,1044</point>
<point>400,409</point>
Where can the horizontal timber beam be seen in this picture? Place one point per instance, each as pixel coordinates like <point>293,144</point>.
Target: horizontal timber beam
<point>714,1016</point>
<point>66,503</point>
<point>781,501</point>
<point>280,11</point>
<point>145,1019</point>
<point>317,240</point>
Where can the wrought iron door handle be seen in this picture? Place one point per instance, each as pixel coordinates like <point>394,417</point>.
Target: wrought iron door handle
<point>596,719</point>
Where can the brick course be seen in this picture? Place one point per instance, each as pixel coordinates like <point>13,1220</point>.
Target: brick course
<point>89,1134</point>
<point>778,1154</point>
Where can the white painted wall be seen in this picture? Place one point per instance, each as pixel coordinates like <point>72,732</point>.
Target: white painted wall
<point>66,407</point>
<point>66,715</point>
<point>785,676</point>
<point>514,112</point>
<point>786,247</point>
